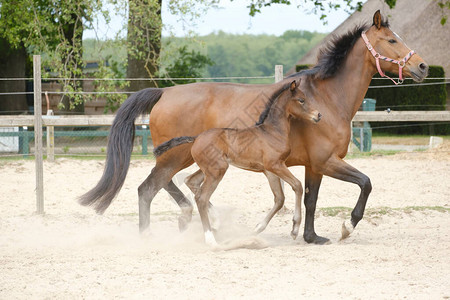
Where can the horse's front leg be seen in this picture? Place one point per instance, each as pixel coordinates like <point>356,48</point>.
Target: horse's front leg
<point>312,185</point>
<point>277,190</point>
<point>339,169</point>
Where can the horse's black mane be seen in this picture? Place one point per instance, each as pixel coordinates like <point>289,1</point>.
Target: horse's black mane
<point>270,103</point>
<point>332,56</point>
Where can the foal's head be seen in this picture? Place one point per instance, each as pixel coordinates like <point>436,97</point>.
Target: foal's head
<point>387,43</point>
<point>299,106</point>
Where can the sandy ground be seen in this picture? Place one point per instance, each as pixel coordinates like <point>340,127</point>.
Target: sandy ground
<point>401,249</point>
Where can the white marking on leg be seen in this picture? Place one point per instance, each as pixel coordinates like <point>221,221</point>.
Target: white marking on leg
<point>259,228</point>
<point>214,218</point>
<point>209,239</point>
<point>347,229</point>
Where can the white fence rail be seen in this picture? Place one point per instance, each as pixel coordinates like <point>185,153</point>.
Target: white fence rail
<point>106,120</point>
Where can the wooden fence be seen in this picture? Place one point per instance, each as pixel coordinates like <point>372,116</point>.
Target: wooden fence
<point>106,120</point>
<point>38,121</point>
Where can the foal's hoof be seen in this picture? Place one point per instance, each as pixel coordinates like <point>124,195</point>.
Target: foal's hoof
<point>294,233</point>
<point>214,219</point>
<point>318,240</point>
<point>183,222</point>
<point>347,229</point>
<point>259,228</point>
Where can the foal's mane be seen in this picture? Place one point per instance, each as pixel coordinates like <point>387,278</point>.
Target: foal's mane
<point>270,103</point>
<point>332,56</point>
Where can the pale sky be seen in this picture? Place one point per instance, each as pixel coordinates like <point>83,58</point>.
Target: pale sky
<point>232,17</point>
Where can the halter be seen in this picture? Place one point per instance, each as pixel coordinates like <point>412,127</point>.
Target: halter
<point>378,56</point>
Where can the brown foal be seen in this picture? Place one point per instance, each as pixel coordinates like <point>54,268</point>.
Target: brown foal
<point>260,148</point>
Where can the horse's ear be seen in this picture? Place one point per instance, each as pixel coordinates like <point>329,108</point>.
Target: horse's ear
<point>293,86</point>
<point>377,19</point>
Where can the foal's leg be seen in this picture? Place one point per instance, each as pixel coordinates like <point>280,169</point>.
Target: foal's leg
<point>339,169</point>
<point>277,190</point>
<point>194,182</point>
<point>208,187</point>
<point>184,204</point>
<point>283,172</point>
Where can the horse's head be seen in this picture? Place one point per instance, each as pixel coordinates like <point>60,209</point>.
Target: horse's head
<point>300,106</point>
<point>389,52</point>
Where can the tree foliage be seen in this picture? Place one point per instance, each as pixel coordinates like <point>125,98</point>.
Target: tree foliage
<point>230,54</point>
<point>50,27</point>
<point>314,6</point>
<point>188,64</point>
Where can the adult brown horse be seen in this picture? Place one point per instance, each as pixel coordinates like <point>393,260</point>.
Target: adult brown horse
<point>337,83</point>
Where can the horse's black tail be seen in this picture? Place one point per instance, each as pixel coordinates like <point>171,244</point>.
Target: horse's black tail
<point>158,151</point>
<point>120,146</point>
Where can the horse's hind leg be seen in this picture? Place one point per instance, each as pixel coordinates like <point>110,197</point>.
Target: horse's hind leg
<point>277,190</point>
<point>158,178</point>
<point>184,204</point>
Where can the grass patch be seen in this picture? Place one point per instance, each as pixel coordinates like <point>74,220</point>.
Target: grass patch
<point>380,211</point>
<point>6,159</point>
<point>374,153</point>
<point>334,211</point>
<point>441,209</point>
<point>128,215</point>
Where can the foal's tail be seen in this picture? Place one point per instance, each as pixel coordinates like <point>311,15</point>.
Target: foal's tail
<point>161,149</point>
<point>120,146</point>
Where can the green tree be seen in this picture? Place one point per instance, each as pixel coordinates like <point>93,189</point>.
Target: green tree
<point>323,7</point>
<point>144,41</point>
<point>189,64</point>
<point>50,27</point>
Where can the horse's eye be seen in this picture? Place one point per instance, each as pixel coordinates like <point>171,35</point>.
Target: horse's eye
<point>392,41</point>
<point>302,101</point>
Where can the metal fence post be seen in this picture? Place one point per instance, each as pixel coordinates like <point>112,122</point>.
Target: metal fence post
<point>38,155</point>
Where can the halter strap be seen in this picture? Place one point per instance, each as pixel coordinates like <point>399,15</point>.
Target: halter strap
<point>401,63</point>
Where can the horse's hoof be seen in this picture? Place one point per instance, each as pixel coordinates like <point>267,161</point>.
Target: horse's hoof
<point>146,233</point>
<point>211,241</point>
<point>318,240</point>
<point>214,219</point>
<point>294,235</point>
<point>347,229</point>
<point>258,229</point>
<point>183,222</point>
